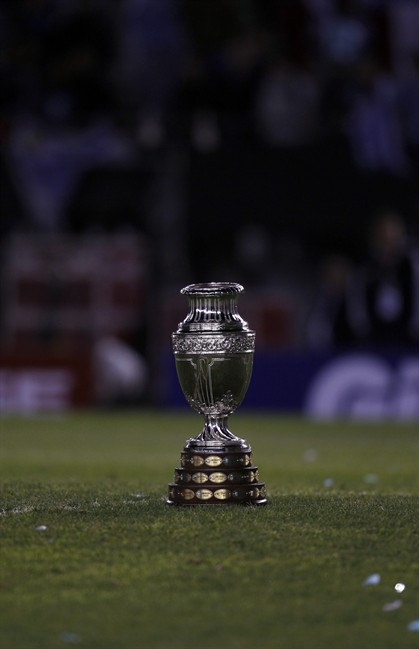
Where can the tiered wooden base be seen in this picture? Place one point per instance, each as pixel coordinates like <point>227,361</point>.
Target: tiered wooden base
<point>216,476</point>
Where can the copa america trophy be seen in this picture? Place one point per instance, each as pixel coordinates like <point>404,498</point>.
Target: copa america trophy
<point>213,348</point>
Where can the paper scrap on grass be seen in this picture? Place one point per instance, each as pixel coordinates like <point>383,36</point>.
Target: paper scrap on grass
<point>413,625</point>
<point>393,606</point>
<point>372,580</point>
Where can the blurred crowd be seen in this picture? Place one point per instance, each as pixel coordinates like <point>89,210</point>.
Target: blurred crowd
<point>378,302</point>
<point>114,113</point>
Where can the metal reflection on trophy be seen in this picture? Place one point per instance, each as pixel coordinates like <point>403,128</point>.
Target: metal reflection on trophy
<point>213,348</point>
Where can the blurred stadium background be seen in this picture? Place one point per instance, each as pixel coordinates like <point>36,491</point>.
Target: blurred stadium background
<point>148,144</point>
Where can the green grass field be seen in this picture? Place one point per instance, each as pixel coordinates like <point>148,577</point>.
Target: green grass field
<point>92,556</point>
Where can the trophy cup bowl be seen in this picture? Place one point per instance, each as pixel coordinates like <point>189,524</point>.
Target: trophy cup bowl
<point>213,348</point>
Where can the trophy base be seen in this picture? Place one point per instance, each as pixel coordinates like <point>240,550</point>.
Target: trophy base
<point>221,475</point>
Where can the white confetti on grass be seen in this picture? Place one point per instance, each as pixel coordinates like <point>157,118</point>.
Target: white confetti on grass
<point>328,482</point>
<point>393,606</point>
<point>399,587</point>
<point>41,528</point>
<point>372,580</point>
<point>413,625</point>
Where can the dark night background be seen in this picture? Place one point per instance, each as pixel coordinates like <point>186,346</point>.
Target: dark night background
<point>258,141</point>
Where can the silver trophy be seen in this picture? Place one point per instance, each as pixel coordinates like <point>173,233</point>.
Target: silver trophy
<point>213,348</point>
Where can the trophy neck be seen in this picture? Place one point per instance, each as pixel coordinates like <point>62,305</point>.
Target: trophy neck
<point>213,307</point>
